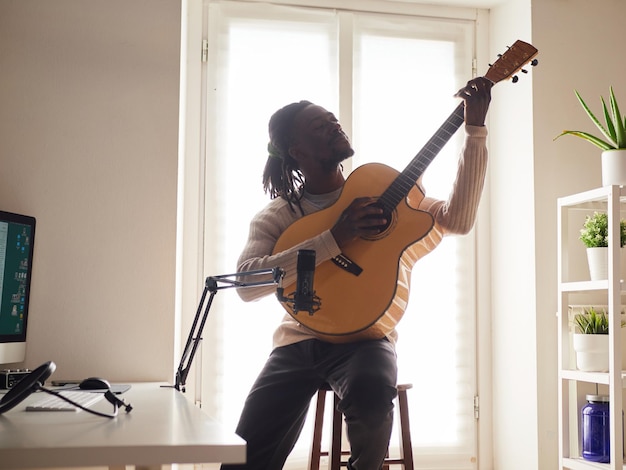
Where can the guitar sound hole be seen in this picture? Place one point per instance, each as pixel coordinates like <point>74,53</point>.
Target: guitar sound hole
<point>383,228</point>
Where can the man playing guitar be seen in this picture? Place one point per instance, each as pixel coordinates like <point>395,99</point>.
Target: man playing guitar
<point>303,175</point>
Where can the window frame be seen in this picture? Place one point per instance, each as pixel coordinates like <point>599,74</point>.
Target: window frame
<point>191,210</point>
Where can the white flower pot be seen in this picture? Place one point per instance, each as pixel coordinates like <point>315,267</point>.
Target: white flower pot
<point>614,167</point>
<point>592,352</point>
<point>598,261</point>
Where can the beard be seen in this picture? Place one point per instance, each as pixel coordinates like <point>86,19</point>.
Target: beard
<point>330,166</point>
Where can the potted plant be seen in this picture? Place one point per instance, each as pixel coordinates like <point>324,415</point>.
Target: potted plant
<point>591,340</point>
<point>595,236</point>
<point>613,143</point>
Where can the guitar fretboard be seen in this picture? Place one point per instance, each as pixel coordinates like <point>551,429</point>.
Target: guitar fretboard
<point>405,181</point>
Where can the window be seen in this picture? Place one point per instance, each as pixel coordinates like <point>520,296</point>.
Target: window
<point>390,79</point>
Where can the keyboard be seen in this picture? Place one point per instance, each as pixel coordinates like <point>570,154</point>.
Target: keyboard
<point>53,403</point>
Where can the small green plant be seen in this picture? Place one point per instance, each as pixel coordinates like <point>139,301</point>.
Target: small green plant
<point>615,130</point>
<point>595,231</point>
<point>591,322</point>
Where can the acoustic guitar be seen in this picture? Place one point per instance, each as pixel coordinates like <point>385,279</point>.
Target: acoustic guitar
<point>364,291</point>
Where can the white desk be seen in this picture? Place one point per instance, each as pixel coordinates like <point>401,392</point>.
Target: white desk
<point>163,428</point>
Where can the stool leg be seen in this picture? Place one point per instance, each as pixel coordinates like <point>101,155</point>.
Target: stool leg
<point>316,447</point>
<point>406,449</point>
<point>334,462</point>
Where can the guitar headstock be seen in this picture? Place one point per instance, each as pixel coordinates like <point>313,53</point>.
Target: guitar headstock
<point>512,61</point>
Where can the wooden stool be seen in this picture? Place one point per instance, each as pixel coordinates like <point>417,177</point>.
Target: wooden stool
<point>335,462</point>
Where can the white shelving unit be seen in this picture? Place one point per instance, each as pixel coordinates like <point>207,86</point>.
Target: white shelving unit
<point>610,199</point>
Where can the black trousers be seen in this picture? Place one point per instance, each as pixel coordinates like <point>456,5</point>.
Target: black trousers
<point>364,376</point>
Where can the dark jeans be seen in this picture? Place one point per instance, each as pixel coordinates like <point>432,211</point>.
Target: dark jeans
<point>363,374</point>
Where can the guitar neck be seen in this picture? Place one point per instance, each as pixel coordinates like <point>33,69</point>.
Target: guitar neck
<point>508,64</point>
<point>405,181</point>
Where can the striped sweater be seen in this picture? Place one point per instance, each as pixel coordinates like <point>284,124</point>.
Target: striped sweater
<point>454,216</point>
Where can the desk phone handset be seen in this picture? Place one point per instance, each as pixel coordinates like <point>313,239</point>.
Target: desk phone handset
<point>34,382</point>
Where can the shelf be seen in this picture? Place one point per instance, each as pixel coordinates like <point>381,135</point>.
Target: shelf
<point>591,377</point>
<point>585,286</point>
<point>588,286</point>
<point>581,464</point>
<point>612,200</point>
<point>592,199</point>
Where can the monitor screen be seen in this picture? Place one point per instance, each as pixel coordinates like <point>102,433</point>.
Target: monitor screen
<point>17,236</point>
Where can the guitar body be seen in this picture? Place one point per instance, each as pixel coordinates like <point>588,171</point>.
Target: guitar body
<point>368,305</point>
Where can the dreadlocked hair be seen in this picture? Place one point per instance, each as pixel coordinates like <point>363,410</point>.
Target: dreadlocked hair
<point>282,176</point>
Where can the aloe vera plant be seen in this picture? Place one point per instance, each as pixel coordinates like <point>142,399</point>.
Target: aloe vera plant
<point>615,130</point>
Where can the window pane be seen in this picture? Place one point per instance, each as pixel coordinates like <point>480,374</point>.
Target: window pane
<point>405,79</point>
<point>265,63</point>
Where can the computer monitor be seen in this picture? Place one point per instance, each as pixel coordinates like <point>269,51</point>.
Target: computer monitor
<point>17,237</point>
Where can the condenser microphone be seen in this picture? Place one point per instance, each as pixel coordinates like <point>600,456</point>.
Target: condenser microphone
<point>304,297</point>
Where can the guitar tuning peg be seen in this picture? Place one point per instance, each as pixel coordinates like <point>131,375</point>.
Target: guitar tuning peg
<point>534,62</point>
<point>490,65</point>
<point>524,70</point>
<point>515,79</point>
<point>499,55</point>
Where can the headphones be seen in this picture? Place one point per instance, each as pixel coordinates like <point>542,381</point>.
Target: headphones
<point>35,380</point>
<point>29,384</point>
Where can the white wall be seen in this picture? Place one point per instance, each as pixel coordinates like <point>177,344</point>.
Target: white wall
<point>88,145</point>
<point>577,40</point>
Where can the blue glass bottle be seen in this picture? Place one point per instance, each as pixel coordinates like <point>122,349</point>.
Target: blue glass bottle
<point>596,429</point>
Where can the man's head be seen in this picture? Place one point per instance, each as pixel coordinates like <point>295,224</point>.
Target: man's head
<point>302,135</point>
<point>318,140</point>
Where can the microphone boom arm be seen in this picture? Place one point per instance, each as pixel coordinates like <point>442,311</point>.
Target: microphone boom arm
<point>213,284</point>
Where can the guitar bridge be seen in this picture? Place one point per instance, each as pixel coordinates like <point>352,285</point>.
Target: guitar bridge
<point>347,264</point>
